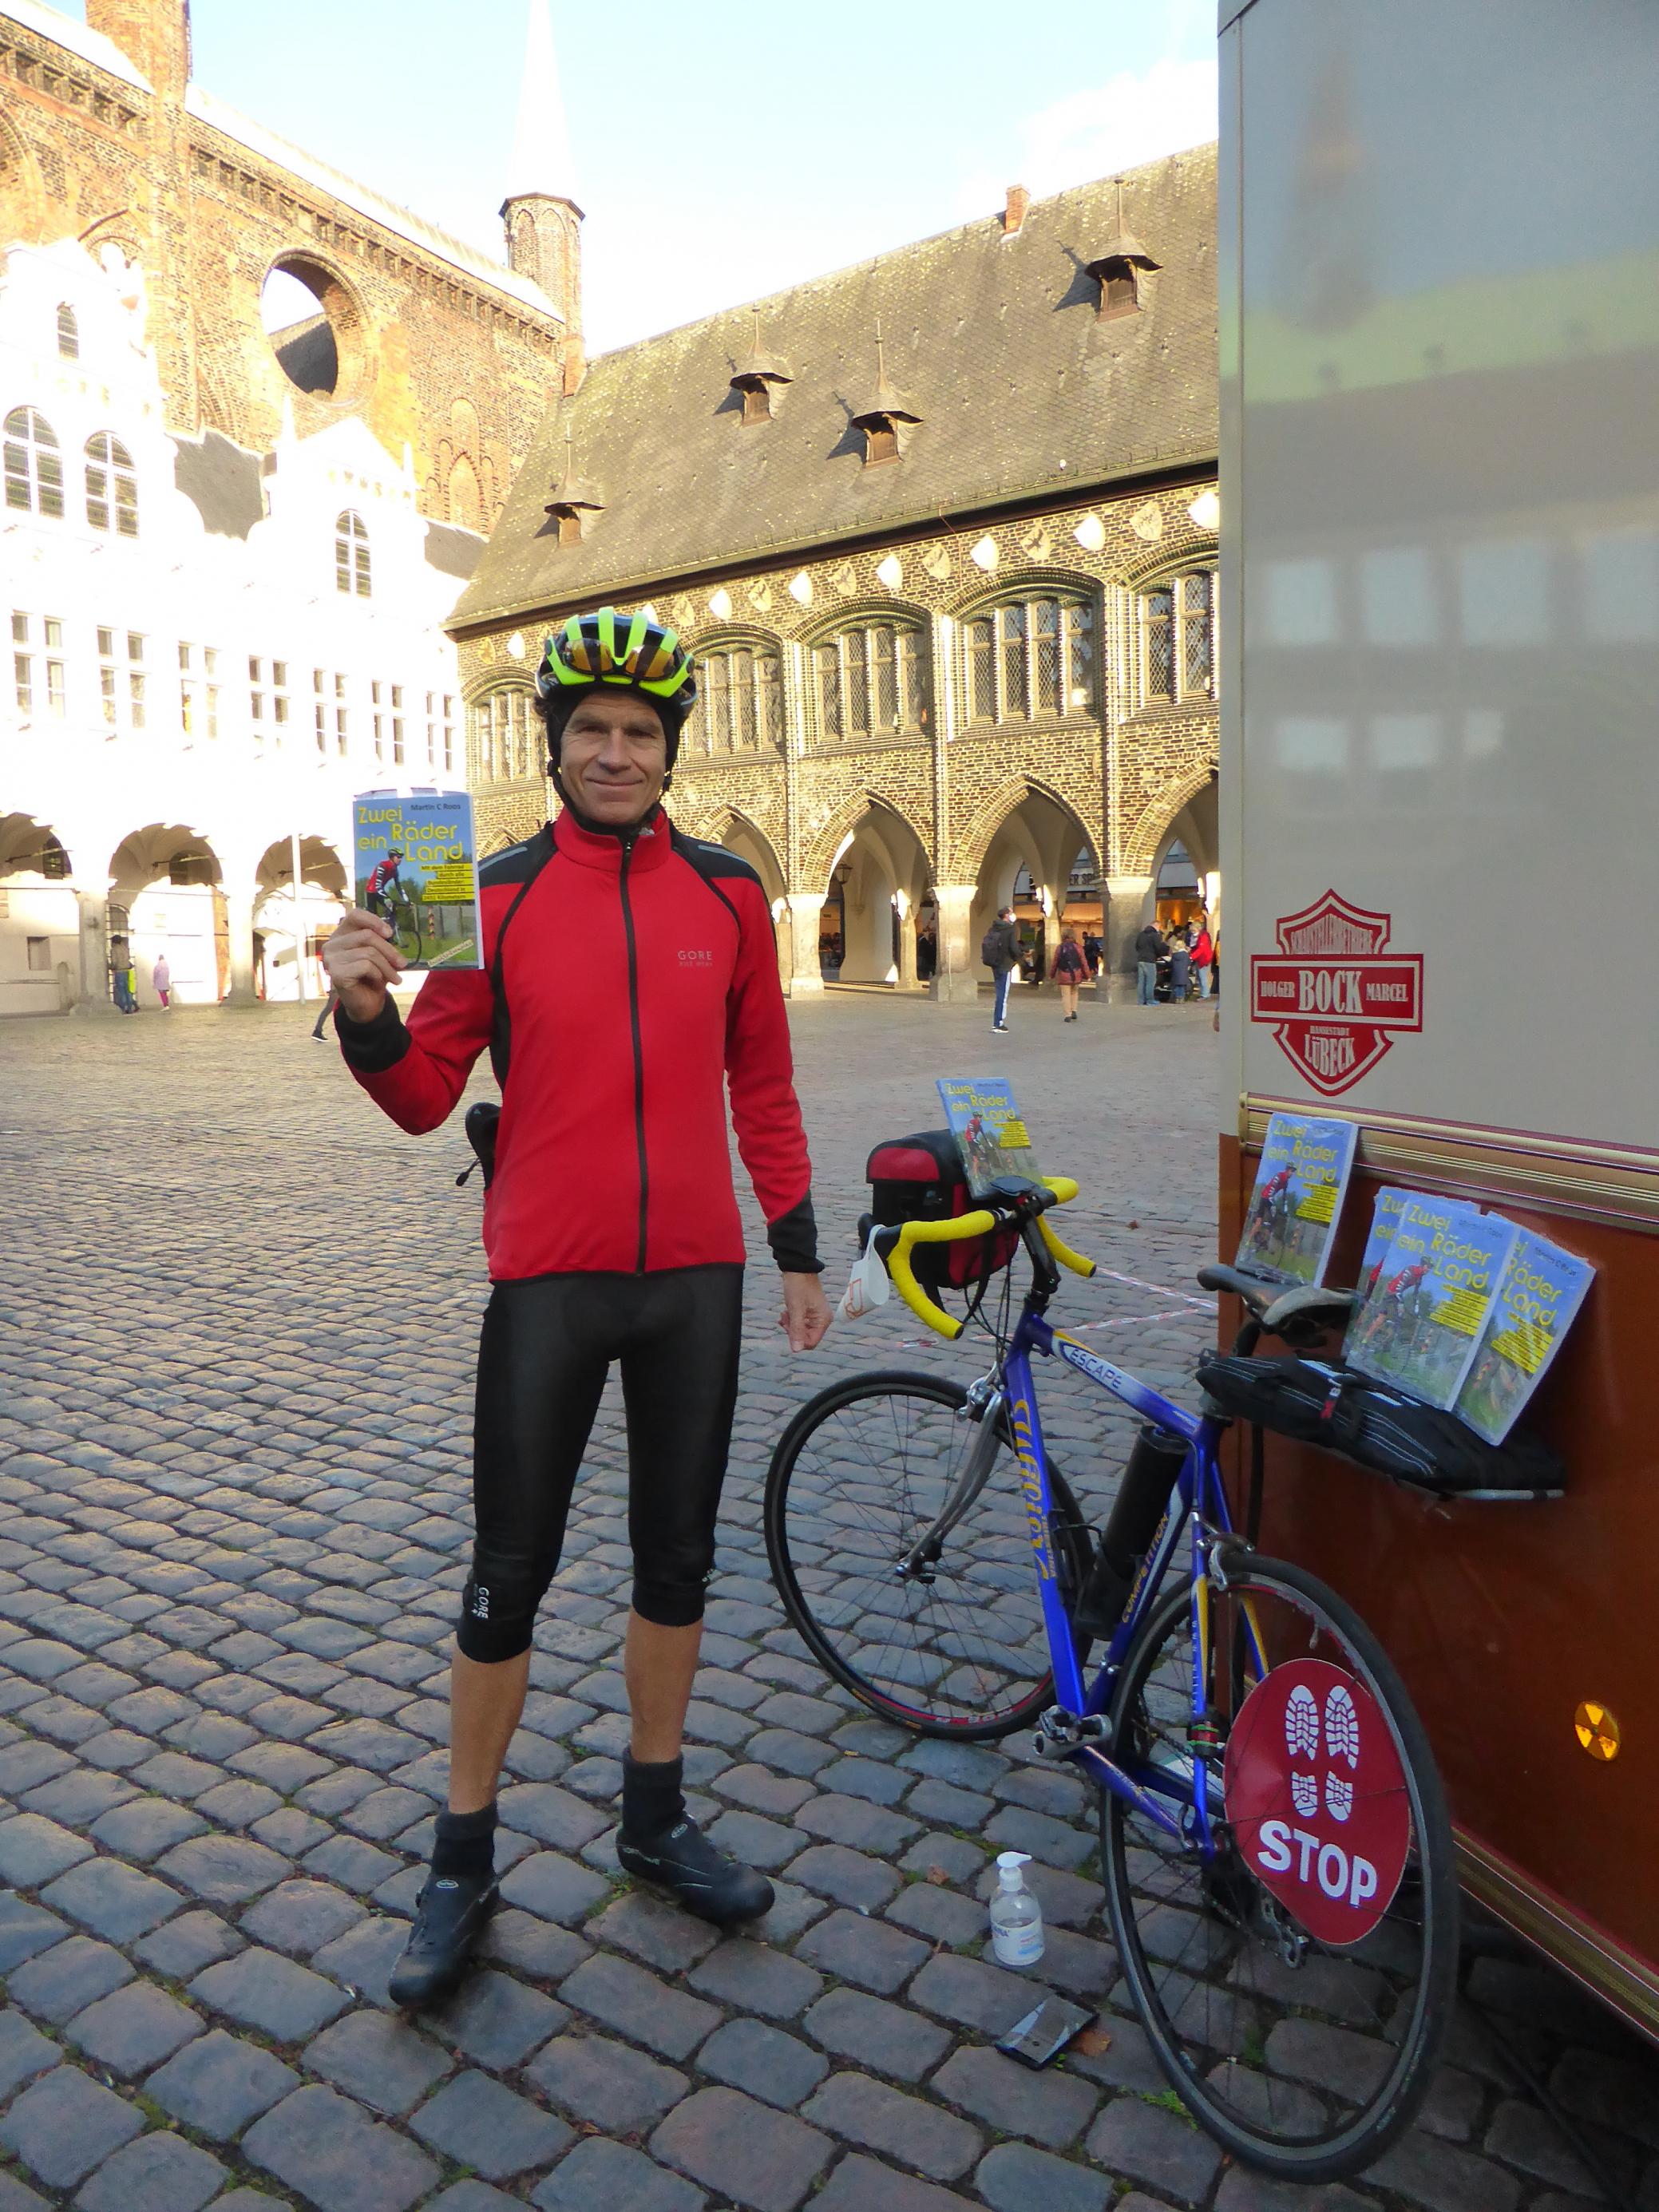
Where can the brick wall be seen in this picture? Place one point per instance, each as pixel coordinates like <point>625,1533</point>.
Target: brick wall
<point>432,356</point>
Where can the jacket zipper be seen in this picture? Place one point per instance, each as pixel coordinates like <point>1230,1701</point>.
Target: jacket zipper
<point>639,1054</point>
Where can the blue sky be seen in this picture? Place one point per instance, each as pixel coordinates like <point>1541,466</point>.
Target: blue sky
<point>714,168</point>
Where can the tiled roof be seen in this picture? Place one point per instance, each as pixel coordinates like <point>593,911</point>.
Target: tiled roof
<point>1022,391</point>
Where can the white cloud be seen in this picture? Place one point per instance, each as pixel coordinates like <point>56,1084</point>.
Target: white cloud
<point>1134,117</point>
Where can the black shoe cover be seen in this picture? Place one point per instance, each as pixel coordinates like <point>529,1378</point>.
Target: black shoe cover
<point>697,1874</point>
<point>449,1917</point>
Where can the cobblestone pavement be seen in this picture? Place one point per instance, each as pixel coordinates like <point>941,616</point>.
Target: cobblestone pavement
<point>238,1326</point>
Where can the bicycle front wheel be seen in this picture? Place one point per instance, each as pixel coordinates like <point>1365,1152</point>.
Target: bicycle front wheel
<point>950,1644</point>
<point>1305,2058</point>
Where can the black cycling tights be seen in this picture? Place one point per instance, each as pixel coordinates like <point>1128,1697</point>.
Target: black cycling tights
<point>547,1345</point>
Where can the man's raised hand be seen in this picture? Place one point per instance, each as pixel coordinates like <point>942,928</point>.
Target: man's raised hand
<point>362,963</point>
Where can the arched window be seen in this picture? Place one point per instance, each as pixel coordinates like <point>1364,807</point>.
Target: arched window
<point>351,555</point>
<point>69,332</point>
<point>1175,626</point>
<point>111,486</point>
<point>1029,661</point>
<point>35,466</point>
<point>871,681</point>
<point>741,700</point>
<point>507,737</point>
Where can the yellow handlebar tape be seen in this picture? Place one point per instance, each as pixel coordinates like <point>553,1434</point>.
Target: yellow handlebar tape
<point>978,1223</point>
<point>931,1232</point>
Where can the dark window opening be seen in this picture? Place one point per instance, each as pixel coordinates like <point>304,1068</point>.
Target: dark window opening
<point>1120,287</point>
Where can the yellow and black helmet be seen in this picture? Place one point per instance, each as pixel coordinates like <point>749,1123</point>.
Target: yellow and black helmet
<point>609,646</point>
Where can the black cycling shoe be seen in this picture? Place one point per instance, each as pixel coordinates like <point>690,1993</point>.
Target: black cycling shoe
<point>450,1916</point>
<point>697,1874</point>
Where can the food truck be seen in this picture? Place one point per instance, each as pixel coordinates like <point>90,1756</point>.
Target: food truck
<point>1439,274</point>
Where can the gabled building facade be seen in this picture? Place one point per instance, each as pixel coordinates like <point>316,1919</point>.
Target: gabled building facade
<point>941,529</point>
<point>227,550</point>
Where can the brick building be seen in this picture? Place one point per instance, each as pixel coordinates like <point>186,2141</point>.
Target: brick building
<point>941,529</point>
<point>226,556</point>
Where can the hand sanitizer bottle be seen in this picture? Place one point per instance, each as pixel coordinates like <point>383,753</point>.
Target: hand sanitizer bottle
<point>1016,1915</point>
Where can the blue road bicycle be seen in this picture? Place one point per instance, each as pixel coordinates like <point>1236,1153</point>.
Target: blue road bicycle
<point>934,1559</point>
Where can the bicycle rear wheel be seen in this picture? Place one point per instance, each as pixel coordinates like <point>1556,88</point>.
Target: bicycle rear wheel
<point>1305,2059</point>
<point>955,1646</point>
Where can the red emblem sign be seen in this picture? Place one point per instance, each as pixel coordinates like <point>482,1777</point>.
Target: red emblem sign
<point>1335,996</point>
<point>1316,1798</point>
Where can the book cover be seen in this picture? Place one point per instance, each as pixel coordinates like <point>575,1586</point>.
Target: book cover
<point>992,1139</point>
<point>1438,1281</point>
<point>1386,1209</point>
<point>1291,1223</point>
<point>1538,1293</point>
<point>415,864</point>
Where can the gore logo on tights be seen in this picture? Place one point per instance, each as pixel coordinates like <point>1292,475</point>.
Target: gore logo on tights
<point>480,1602</point>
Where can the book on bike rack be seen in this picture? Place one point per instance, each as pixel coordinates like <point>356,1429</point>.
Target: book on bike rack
<point>1538,1294</point>
<point>990,1134</point>
<point>1435,1289</point>
<point>415,864</point>
<point>1291,1222</point>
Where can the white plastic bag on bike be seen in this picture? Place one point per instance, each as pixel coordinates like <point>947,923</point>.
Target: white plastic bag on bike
<point>867,1286</point>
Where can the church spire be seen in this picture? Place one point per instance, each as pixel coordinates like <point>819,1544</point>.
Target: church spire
<point>543,222</point>
<point>541,146</point>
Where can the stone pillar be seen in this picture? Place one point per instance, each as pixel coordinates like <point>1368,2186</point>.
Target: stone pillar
<point>956,976</point>
<point>1129,906</point>
<point>906,942</point>
<point>92,984</point>
<point>239,922</point>
<point>806,975</point>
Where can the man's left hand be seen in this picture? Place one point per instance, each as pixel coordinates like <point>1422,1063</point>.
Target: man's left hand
<point>805,1315</point>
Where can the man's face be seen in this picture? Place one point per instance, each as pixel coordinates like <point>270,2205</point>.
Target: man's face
<point>614,757</point>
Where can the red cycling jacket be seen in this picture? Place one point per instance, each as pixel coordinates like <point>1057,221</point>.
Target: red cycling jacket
<point>626,980</point>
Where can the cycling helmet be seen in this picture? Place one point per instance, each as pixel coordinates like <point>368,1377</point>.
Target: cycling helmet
<point>607,646</point>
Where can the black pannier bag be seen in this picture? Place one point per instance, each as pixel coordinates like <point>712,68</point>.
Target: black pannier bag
<point>921,1178</point>
<point>1324,1402</point>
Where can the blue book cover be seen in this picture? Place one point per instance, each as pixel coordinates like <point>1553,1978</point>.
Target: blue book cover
<point>1439,1282</point>
<point>1294,1207</point>
<point>1538,1294</point>
<point>415,864</point>
<point>1386,1210</point>
<point>991,1137</point>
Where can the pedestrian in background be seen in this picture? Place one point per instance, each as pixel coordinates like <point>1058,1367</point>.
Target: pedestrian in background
<point>161,976</point>
<point>121,979</point>
<point>1180,957</point>
<point>999,950</point>
<point>1093,951</point>
<point>1203,954</point>
<point>1069,970</point>
<point>1150,949</point>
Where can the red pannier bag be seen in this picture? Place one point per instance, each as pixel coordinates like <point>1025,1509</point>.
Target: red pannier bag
<point>921,1178</point>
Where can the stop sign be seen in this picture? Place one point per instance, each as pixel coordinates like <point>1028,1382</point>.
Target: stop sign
<point>1315,1795</point>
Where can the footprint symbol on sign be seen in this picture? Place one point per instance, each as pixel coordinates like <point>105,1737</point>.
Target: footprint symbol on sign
<point>1339,1797</point>
<point>1304,1794</point>
<point>1302,1723</point>
<point>1341,1727</point>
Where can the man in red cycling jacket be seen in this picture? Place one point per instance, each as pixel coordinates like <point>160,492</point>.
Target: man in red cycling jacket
<point>630,974</point>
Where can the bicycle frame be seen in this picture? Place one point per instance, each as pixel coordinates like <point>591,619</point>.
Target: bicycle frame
<point>1193,1790</point>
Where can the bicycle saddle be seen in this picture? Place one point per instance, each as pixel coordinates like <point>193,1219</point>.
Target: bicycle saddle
<point>1311,1304</point>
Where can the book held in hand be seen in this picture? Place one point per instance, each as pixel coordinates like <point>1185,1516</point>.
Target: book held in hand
<point>1438,1281</point>
<point>992,1139</point>
<point>1291,1222</point>
<point>415,864</point>
<point>1538,1293</point>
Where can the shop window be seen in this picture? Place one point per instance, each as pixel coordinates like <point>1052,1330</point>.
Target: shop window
<point>111,486</point>
<point>1176,625</point>
<point>34,464</point>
